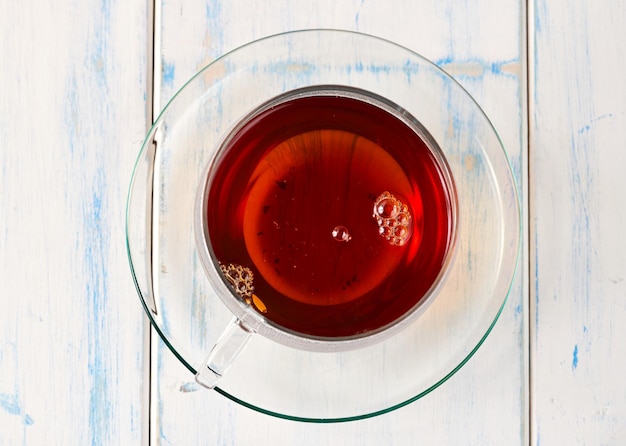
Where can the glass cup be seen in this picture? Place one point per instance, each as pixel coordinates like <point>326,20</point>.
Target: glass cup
<point>283,372</point>
<point>392,227</point>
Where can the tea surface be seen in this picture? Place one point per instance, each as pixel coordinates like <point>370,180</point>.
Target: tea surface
<point>330,215</point>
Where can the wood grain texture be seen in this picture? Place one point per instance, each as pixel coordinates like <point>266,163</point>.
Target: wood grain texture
<point>578,129</point>
<point>72,118</point>
<point>482,45</point>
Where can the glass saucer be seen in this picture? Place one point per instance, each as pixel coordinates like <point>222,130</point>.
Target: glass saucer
<point>270,377</point>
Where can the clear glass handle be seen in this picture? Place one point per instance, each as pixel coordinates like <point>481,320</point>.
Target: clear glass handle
<point>223,353</point>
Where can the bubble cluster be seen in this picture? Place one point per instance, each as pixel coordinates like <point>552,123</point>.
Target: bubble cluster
<point>393,219</point>
<point>242,280</point>
<point>341,234</point>
<point>240,277</point>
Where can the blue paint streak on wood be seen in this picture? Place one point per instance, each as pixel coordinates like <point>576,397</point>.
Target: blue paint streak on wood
<point>96,245</point>
<point>93,239</point>
<point>377,69</point>
<point>581,180</point>
<point>461,69</point>
<point>474,68</point>
<point>215,26</point>
<point>303,69</point>
<point>169,70</point>
<point>191,386</point>
<point>11,405</point>
<point>95,257</point>
<point>71,112</point>
<point>575,357</point>
<point>357,15</point>
<point>99,54</point>
<point>496,67</point>
<point>589,126</point>
<point>537,31</point>
<point>160,373</point>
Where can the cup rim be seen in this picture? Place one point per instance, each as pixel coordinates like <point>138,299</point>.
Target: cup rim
<point>256,322</point>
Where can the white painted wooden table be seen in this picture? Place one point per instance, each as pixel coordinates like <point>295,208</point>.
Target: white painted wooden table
<point>78,364</point>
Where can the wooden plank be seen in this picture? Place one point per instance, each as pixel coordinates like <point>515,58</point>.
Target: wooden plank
<point>577,159</point>
<point>72,118</point>
<point>482,45</point>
